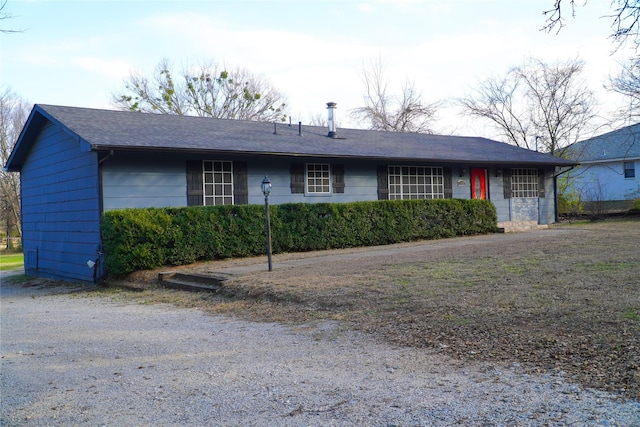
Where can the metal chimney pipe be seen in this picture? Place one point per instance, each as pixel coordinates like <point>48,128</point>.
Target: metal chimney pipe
<point>331,106</point>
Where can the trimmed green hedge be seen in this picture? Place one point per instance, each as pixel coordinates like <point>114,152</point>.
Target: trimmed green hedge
<point>139,239</point>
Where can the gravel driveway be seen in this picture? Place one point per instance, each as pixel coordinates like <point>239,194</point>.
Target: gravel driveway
<point>74,358</point>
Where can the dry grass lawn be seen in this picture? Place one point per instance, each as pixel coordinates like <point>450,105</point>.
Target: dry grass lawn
<point>564,300</point>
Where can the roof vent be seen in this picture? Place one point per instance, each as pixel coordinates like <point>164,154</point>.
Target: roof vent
<point>331,106</point>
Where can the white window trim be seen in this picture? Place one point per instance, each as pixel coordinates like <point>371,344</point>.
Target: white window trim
<point>524,183</point>
<point>307,190</point>
<point>437,189</point>
<point>625,169</point>
<point>213,197</point>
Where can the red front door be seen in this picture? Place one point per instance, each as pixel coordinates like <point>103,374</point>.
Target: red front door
<point>479,183</point>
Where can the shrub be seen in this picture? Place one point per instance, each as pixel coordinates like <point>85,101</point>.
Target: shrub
<point>569,197</point>
<point>137,239</point>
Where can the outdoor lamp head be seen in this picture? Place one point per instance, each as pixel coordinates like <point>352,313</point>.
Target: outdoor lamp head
<point>266,186</point>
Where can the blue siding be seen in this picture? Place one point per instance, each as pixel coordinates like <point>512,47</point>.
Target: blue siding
<point>140,180</point>
<point>605,181</point>
<point>60,208</point>
<point>542,210</point>
<point>136,180</point>
<point>533,209</point>
<point>547,204</point>
<point>361,182</point>
<point>159,180</point>
<point>496,194</point>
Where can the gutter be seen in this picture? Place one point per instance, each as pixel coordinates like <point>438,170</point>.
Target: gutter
<point>565,171</point>
<point>612,160</point>
<point>298,154</point>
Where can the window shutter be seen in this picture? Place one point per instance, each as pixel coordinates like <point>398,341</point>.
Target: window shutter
<point>195,183</point>
<point>240,189</point>
<point>541,189</point>
<point>297,178</point>
<point>383,182</point>
<point>448,182</point>
<point>506,182</point>
<point>338,178</point>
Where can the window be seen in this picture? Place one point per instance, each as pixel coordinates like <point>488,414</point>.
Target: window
<point>318,178</point>
<point>415,182</point>
<point>629,170</point>
<point>524,183</point>
<point>218,182</point>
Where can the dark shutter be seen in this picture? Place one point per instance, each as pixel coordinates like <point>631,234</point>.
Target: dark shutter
<point>541,190</point>
<point>194,183</point>
<point>506,182</point>
<point>297,178</point>
<point>240,189</point>
<point>448,183</point>
<point>383,182</point>
<point>338,178</point>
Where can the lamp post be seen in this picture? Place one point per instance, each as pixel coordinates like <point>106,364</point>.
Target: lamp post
<point>265,186</point>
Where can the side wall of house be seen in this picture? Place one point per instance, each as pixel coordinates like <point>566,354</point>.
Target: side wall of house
<point>160,180</point>
<point>136,180</point>
<point>598,182</point>
<point>547,205</point>
<point>540,209</point>
<point>496,194</point>
<point>143,180</point>
<point>60,208</point>
<point>360,181</point>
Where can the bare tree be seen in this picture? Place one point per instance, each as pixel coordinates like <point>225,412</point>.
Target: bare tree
<point>556,15</point>
<point>625,16</point>
<point>206,91</point>
<point>382,111</point>
<point>4,15</point>
<point>13,115</point>
<point>627,84</point>
<point>538,105</point>
<point>498,99</point>
<point>318,119</point>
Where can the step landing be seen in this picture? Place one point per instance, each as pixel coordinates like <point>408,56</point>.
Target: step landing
<point>520,226</point>
<point>193,281</point>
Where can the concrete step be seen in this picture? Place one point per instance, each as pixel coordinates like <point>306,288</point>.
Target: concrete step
<point>192,281</point>
<point>520,226</point>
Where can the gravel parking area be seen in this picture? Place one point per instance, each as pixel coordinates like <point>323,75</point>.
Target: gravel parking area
<point>71,357</point>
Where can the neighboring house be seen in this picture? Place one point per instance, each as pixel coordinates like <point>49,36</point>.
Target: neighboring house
<point>76,163</point>
<point>608,177</point>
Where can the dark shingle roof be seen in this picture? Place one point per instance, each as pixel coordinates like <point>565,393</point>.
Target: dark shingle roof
<point>124,130</point>
<point>623,143</point>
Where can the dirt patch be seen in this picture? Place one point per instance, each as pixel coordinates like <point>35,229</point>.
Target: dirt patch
<point>566,300</point>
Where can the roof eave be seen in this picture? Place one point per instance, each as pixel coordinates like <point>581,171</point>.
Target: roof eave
<point>21,148</point>
<point>115,147</point>
<point>29,132</point>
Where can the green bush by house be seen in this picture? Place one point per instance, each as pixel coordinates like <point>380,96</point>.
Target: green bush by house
<point>139,239</point>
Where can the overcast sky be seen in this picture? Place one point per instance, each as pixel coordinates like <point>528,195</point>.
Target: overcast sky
<point>77,53</point>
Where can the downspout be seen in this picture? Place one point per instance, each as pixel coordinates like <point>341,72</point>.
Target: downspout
<point>100,162</point>
<point>98,265</point>
<point>108,156</point>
